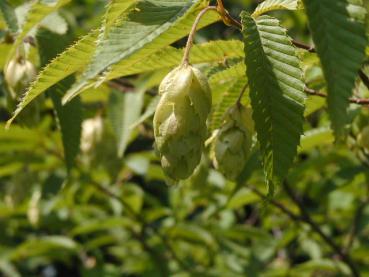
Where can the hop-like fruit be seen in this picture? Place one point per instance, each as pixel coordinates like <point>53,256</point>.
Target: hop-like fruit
<point>18,74</point>
<point>363,138</point>
<point>232,145</point>
<point>180,120</point>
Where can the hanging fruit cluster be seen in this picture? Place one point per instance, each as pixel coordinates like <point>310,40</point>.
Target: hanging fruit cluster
<point>180,124</point>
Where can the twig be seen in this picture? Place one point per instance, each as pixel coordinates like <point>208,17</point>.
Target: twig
<point>354,100</point>
<point>364,78</point>
<point>301,45</point>
<point>315,227</point>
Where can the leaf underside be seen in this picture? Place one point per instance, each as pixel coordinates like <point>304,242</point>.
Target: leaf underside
<point>149,26</point>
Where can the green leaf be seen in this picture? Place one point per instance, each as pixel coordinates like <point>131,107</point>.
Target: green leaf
<point>228,74</point>
<point>38,11</point>
<point>52,246</point>
<point>114,10</point>
<point>276,92</point>
<point>316,137</point>
<point>149,26</point>
<point>124,110</point>
<point>101,224</point>
<point>9,15</point>
<point>272,5</point>
<point>80,54</point>
<point>70,61</point>
<point>69,116</point>
<point>338,29</point>
<point>241,198</point>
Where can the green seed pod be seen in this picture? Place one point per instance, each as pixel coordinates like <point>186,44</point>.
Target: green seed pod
<point>232,145</point>
<point>18,74</point>
<point>363,138</point>
<point>180,120</point>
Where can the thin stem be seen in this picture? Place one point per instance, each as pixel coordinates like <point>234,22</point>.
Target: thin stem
<point>186,57</point>
<point>242,93</point>
<point>358,101</point>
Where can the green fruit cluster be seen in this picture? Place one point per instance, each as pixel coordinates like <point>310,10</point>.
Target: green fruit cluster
<point>233,142</point>
<point>180,120</point>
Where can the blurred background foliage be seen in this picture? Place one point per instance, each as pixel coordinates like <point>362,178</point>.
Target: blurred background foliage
<point>112,214</point>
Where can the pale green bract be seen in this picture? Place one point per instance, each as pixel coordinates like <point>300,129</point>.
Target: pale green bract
<point>180,120</point>
<point>233,142</point>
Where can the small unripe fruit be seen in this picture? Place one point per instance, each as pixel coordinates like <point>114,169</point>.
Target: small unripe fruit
<point>363,138</point>
<point>19,73</point>
<point>233,142</point>
<point>180,120</point>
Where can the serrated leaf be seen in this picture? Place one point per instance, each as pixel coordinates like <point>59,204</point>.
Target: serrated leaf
<point>79,55</point>
<point>9,15</point>
<point>114,10</point>
<point>151,25</point>
<point>69,116</point>
<point>228,74</point>
<point>124,110</point>
<point>276,92</point>
<point>70,61</point>
<point>37,12</point>
<point>272,5</point>
<point>338,29</point>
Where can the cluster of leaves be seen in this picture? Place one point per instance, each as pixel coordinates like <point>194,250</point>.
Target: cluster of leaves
<point>110,212</point>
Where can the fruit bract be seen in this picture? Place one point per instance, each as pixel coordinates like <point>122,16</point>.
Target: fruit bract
<point>232,145</point>
<point>180,120</point>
